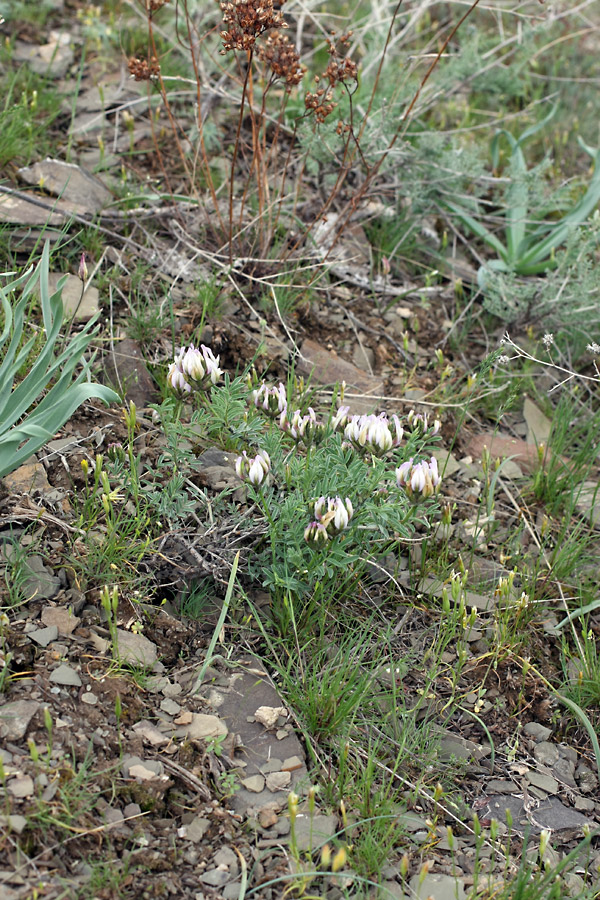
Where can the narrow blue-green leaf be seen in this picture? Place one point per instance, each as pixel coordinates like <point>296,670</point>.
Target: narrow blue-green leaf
<point>477,228</point>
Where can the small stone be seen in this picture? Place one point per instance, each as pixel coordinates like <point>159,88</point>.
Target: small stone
<point>157,684</point>
<point>128,373</point>
<point>27,478</point>
<point>170,707</point>
<point>171,690</point>
<point>185,718</point>
<point>62,618</point>
<point>113,816</point>
<point>89,698</point>
<point>65,675</point>
<point>153,766</point>
<point>272,765</point>
<point>267,817</point>
<point>269,715</point>
<point>136,649</point>
<point>15,823</point>
<point>314,831</point>
<point>20,787</point>
<point>543,782</point>
<point>202,727</point>
<point>254,783</point>
<point>537,732</point>
<point>226,857</point>
<point>44,636</point>
<point>142,772</point>
<point>132,810</point>
<point>436,887</point>
<point>215,877</point>
<point>546,753</point>
<point>291,764</point>
<point>278,781</point>
<point>150,733</point>
<point>197,828</point>
<point>81,308</point>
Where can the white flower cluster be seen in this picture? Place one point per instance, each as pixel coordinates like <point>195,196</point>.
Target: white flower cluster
<point>376,434</point>
<point>419,422</point>
<point>332,515</point>
<point>272,400</point>
<point>419,478</point>
<point>194,369</point>
<point>253,470</point>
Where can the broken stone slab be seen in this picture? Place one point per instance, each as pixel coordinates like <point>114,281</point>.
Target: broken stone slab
<point>544,782</point>
<point>61,618</point>
<point>363,391</point>
<point>65,675</point>
<point>436,886</point>
<point>150,733</point>
<point>587,502</point>
<point>503,446</point>
<point>40,582</point>
<point>539,426</point>
<point>152,766</point>
<point>435,586</point>
<point>52,59</point>
<point>202,727</point>
<point>136,649</point>
<point>538,732</point>
<point>258,745</point>
<point>43,636</point>
<point>20,787</point>
<point>29,477</point>
<point>82,308</point>
<point>269,715</point>
<point>126,371</point>
<point>15,718</point>
<point>550,814</point>
<point>68,182</point>
<point>196,829</point>
<point>14,823</point>
<point>314,831</point>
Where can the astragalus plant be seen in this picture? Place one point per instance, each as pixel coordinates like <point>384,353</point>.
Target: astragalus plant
<point>333,490</point>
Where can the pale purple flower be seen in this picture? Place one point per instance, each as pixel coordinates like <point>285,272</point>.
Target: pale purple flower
<point>340,420</point>
<point>253,470</point>
<point>419,478</point>
<point>419,422</point>
<point>194,368</point>
<point>303,428</point>
<point>316,533</point>
<point>334,513</point>
<point>82,272</point>
<point>272,400</point>
<point>377,434</point>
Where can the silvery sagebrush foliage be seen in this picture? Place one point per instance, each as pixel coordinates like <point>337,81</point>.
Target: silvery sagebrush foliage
<point>39,404</point>
<point>327,483</point>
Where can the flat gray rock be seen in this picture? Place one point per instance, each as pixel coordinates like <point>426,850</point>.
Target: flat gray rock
<point>437,887</point>
<point>43,636</point>
<point>15,718</point>
<point>136,649</point>
<point>61,618</point>
<point>202,727</point>
<point>82,308</point>
<point>65,675</point>
<point>248,692</point>
<point>362,390</point>
<point>127,372</point>
<point>69,182</point>
<point>550,813</point>
<point>40,582</point>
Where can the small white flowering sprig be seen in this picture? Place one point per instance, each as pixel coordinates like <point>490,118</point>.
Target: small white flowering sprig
<point>332,515</point>
<point>304,429</point>
<point>271,400</point>
<point>419,424</point>
<point>375,434</point>
<point>419,478</point>
<point>194,369</point>
<point>253,470</point>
